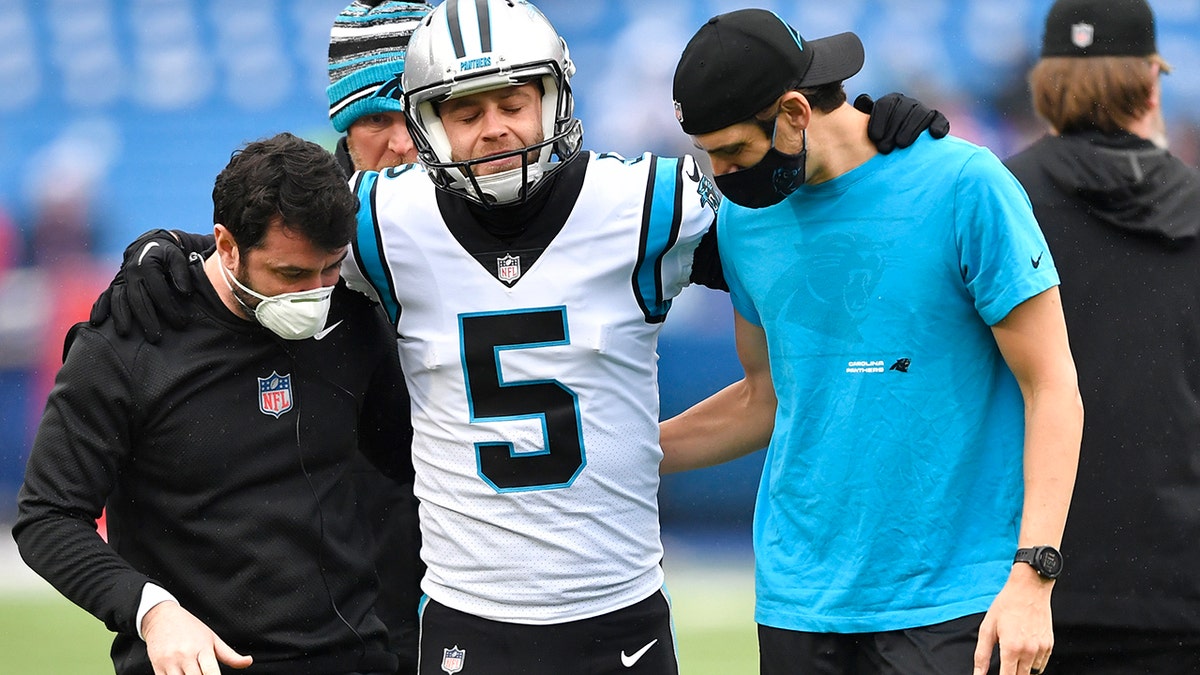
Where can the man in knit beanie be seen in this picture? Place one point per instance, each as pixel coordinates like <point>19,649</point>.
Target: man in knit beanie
<point>367,46</point>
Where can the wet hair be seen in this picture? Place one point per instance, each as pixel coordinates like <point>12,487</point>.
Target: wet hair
<point>290,179</point>
<point>1101,93</point>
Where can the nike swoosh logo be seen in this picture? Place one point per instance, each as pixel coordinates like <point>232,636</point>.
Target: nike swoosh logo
<point>630,659</point>
<point>146,249</point>
<point>1038,260</point>
<point>321,335</point>
<point>694,174</point>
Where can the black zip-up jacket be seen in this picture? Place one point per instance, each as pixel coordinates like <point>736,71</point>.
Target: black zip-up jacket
<point>223,455</point>
<point>1121,217</point>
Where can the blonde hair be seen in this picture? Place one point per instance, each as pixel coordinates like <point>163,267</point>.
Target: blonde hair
<point>1104,93</point>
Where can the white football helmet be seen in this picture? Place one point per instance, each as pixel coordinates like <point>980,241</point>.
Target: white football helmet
<point>466,47</point>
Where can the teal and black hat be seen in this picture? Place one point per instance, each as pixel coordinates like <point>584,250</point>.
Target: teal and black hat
<point>367,45</point>
<point>739,63</point>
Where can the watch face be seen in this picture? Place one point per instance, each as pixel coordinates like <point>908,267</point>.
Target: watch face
<point>1049,562</point>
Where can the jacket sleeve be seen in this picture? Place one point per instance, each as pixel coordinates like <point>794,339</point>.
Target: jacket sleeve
<point>84,437</point>
<point>385,425</point>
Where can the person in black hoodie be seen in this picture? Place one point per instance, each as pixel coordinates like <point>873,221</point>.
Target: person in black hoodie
<point>1121,215</point>
<point>222,453</point>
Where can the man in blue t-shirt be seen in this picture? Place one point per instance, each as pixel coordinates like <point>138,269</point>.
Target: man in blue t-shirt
<point>907,367</point>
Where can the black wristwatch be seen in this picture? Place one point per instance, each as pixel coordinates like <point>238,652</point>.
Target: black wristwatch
<point>1045,560</point>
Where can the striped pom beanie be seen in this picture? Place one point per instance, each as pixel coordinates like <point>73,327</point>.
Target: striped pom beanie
<point>366,57</point>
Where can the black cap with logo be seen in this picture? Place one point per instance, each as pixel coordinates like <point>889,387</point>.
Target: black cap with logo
<point>1099,28</point>
<point>739,63</point>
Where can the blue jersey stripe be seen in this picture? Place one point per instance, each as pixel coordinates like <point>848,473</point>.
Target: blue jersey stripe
<point>368,247</point>
<point>661,219</point>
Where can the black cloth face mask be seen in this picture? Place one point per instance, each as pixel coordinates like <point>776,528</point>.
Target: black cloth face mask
<point>767,183</point>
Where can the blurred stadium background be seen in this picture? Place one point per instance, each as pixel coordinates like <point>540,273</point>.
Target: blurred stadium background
<point>116,115</point>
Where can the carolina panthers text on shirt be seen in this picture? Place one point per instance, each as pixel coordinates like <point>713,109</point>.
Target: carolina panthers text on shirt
<point>865,367</point>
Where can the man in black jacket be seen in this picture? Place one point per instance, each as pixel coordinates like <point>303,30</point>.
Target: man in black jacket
<point>1121,216</point>
<point>222,452</point>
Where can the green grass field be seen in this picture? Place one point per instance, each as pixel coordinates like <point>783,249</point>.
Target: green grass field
<point>43,634</point>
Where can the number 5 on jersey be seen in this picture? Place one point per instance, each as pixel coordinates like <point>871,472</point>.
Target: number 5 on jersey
<point>490,398</point>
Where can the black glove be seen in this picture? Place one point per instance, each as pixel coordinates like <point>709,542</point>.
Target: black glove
<point>897,120</point>
<point>153,278</point>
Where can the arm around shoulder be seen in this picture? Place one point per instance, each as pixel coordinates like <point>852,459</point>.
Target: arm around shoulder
<point>153,278</point>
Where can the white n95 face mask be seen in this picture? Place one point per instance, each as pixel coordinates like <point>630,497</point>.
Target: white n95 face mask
<point>291,316</point>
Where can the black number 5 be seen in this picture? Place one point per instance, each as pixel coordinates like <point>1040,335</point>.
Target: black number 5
<point>491,398</point>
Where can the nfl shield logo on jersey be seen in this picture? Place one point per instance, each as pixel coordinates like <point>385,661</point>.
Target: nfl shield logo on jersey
<point>452,659</point>
<point>508,268</point>
<point>275,394</point>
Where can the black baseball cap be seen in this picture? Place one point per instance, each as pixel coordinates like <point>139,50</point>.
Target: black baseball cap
<point>739,63</point>
<point>1099,28</point>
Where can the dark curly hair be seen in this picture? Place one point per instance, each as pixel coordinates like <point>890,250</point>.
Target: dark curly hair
<point>288,178</point>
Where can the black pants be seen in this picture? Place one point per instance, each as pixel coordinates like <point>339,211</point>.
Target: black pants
<point>1115,651</point>
<point>636,640</point>
<point>941,649</point>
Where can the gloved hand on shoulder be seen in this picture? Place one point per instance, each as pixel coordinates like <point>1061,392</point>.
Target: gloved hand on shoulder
<point>898,120</point>
<point>153,278</point>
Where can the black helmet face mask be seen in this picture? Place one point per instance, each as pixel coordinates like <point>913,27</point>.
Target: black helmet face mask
<point>465,47</point>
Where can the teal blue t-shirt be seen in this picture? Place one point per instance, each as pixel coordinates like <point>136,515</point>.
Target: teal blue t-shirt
<point>892,489</point>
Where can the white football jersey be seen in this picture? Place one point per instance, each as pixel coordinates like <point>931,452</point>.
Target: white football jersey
<point>535,387</point>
